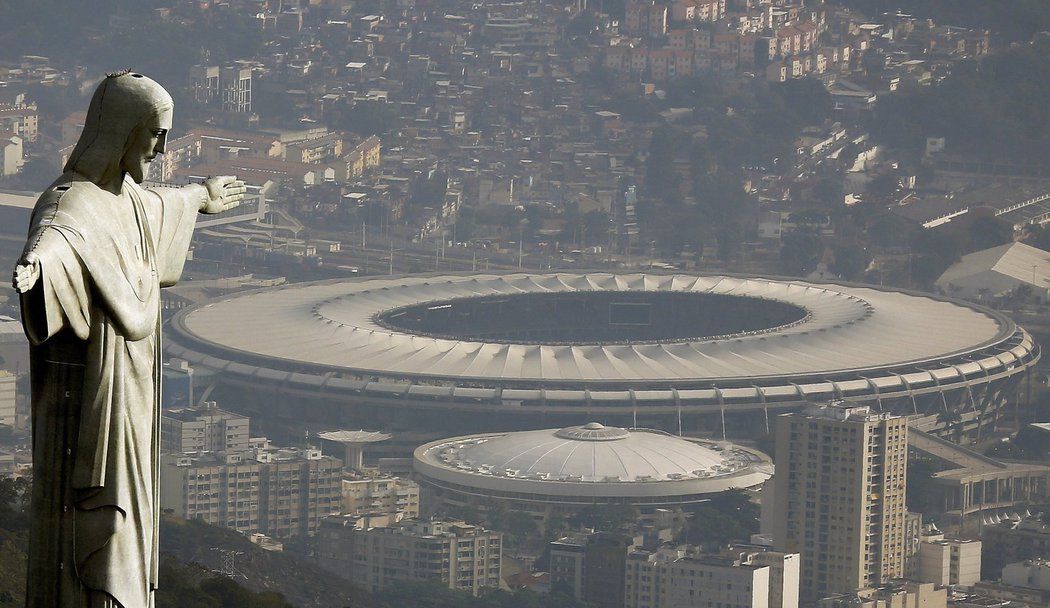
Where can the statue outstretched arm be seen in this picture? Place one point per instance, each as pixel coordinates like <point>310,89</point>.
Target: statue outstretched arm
<point>223,193</point>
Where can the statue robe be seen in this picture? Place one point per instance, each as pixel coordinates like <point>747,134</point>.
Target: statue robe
<point>93,321</point>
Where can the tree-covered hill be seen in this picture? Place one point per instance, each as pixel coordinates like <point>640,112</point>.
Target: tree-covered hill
<point>1009,20</point>
<point>995,107</point>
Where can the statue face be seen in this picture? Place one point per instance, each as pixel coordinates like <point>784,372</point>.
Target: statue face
<point>146,142</point>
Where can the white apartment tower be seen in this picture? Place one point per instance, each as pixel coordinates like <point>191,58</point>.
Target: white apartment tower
<point>839,492</point>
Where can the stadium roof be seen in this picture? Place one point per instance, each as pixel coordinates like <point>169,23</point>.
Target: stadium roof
<point>332,325</point>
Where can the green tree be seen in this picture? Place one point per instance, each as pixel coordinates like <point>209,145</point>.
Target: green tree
<point>730,516</point>
<point>521,527</point>
<point>800,251</point>
<point>990,108</point>
<point>604,517</point>
<point>851,261</point>
<point>988,232</point>
<point>882,186</point>
<point>936,250</point>
<point>364,118</point>
<point>829,192</point>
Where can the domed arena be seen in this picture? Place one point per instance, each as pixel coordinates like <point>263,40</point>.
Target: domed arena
<point>450,354</point>
<point>561,470</point>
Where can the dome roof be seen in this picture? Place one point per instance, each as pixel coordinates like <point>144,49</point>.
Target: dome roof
<point>607,460</point>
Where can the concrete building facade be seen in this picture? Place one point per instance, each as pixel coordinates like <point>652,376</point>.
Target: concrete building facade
<point>1012,541</point>
<point>949,562</point>
<point>593,566</point>
<point>381,494</point>
<point>839,488</point>
<point>277,492</point>
<point>203,429</point>
<point>672,577</point>
<point>894,594</point>
<point>8,399</point>
<point>452,553</point>
<point>1032,574</point>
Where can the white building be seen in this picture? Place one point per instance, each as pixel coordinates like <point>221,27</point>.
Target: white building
<point>204,429</point>
<point>705,582</point>
<point>783,576</point>
<point>276,491</point>
<point>452,553</point>
<point>894,594</point>
<point>679,577</point>
<point>997,272</point>
<point>559,471</point>
<point>8,399</point>
<point>948,561</point>
<point>1033,574</point>
<point>382,495</point>
<point>10,154</point>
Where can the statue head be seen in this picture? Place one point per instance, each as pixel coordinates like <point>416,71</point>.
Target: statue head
<point>126,127</point>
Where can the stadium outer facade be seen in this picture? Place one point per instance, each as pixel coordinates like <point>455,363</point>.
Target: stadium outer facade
<point>444,354</point>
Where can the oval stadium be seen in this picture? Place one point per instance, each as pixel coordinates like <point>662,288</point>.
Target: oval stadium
<point>448,354</point>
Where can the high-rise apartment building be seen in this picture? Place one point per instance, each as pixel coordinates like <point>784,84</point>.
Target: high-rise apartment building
<point>453,553</point>
<point>203,429</point>
<point>839,489</point>
<point>275,491</point>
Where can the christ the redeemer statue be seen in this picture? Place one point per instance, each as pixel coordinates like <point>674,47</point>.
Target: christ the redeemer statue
<point>100,247</point>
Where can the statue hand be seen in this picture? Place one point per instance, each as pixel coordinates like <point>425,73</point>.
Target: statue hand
<point>27,272</point>
<point>224,193</point>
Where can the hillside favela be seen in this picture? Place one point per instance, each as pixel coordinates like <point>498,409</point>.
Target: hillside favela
<point>525,304</point>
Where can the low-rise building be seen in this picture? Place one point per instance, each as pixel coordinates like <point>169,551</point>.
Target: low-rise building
<point>1034,574</point>
<point>896,594</point>
<point>1012,541</point>
<point>455,554</point>
<point>1024,585</point>
<point>11,153</point>
<point>22,119</point>
<point>949,561</point>
<point>381,494</point>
